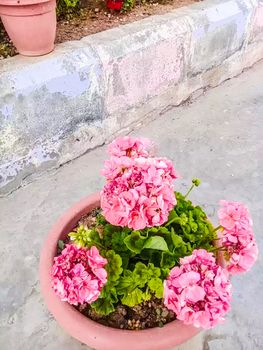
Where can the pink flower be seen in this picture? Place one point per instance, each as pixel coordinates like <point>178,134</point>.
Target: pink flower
<point>244,259</point>
<point>132,147</point>
<point>116,166</point>
<point>237,237</point>
<point>139,192</point>
<point>240,254</point>
<point>234,215</point>
<point>198,291</point>
<point>79,274</point>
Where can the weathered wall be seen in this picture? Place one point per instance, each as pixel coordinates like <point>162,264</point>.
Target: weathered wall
<point>55,108</point>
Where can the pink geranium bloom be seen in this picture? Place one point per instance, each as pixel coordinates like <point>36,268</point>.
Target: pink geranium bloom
<point>198,291</point>
<point>237,237</point>
<point>138,193</point>
<point>79,274</point>
<point>234,215</point>
<point>132,147</point>
<point>116,166</point>
<point>242,258</point>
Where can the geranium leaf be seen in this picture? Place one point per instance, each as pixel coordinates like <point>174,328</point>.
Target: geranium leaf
<point>103,306</point>
<point>133,298</point>
<point>153,271</point>
<point>156,242</point>
<point>156,286</point>
<point>61,245</point>
<point>168,260</point>
<point>140,274</point>
<point>135,242</point>
<point>177,240</point>
<point>114,266</point>
<point>117,241</point>
<point>127,283</point>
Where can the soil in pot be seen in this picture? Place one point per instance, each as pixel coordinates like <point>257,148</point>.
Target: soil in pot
<point>149,314</point>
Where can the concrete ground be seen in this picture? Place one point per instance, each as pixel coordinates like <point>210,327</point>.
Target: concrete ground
<point>218,138</point>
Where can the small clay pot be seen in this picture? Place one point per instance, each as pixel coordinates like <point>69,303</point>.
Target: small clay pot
<point>84,329</point>
<point>30,24</point>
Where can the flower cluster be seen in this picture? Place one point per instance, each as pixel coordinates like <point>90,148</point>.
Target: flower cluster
<point>199,290</point>
<point>79,274</point>
<point>139,191</point>
<point>237,236</point>
<point>132,147</point>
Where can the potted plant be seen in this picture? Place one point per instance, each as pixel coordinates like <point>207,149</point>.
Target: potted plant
<point>139,266</point>
<point>30,24</point>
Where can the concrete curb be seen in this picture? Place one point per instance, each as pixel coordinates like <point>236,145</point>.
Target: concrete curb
<point>55,108</point>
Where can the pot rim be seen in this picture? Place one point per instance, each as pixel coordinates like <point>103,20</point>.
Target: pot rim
<point>22,2</point>
<point>84,329</point>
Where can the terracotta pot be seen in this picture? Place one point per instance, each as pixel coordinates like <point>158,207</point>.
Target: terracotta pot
<point>30,24</point>
<point>84,329</point>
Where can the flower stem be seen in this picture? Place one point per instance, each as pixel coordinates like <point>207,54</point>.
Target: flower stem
<point>171,221</point>
<point>217,228</point>
<point>190,189</point>
<point>99,245</point>
<point>215,249</point>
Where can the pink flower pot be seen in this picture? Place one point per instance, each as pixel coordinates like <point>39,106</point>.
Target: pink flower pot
<point>30,24</point>
<point>82,328</point>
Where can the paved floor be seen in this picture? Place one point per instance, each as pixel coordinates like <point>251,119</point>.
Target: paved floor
<point>218,138</point>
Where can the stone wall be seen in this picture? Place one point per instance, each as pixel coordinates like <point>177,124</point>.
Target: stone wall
<point>57,107</point>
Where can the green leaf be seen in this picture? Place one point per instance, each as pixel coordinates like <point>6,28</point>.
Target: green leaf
<point>153,271</point>
<point>71,3</point>
<point>109,292</point>
<point>165,273</point>
<point>177,240</point>
<point>156,242</point>
<point>147,296</point>
<point>127,283</point>
<point>61,245</point>
<point>159,230</point>
<point>125,259</point>
<point>156,286</point>
<point>132,284</point>
<point>156,256</point>
<point>107,300</point>
<point>140,274</point>
<point>108,232</point>
<point>135,242</point>
<point>103,306</point>
<point>184,219</point>
<point>101,220</point>
<point>172,215</point>
<point>133,298</point>
<point>168,260</point>
<point>151,255</point>
<point>117,241</point>
<point>114,266</point>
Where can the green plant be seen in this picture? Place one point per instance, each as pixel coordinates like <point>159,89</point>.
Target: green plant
<point>67,8</point>
<point>71,3</point>
<point>128,5</point>
<point>139,261</point>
